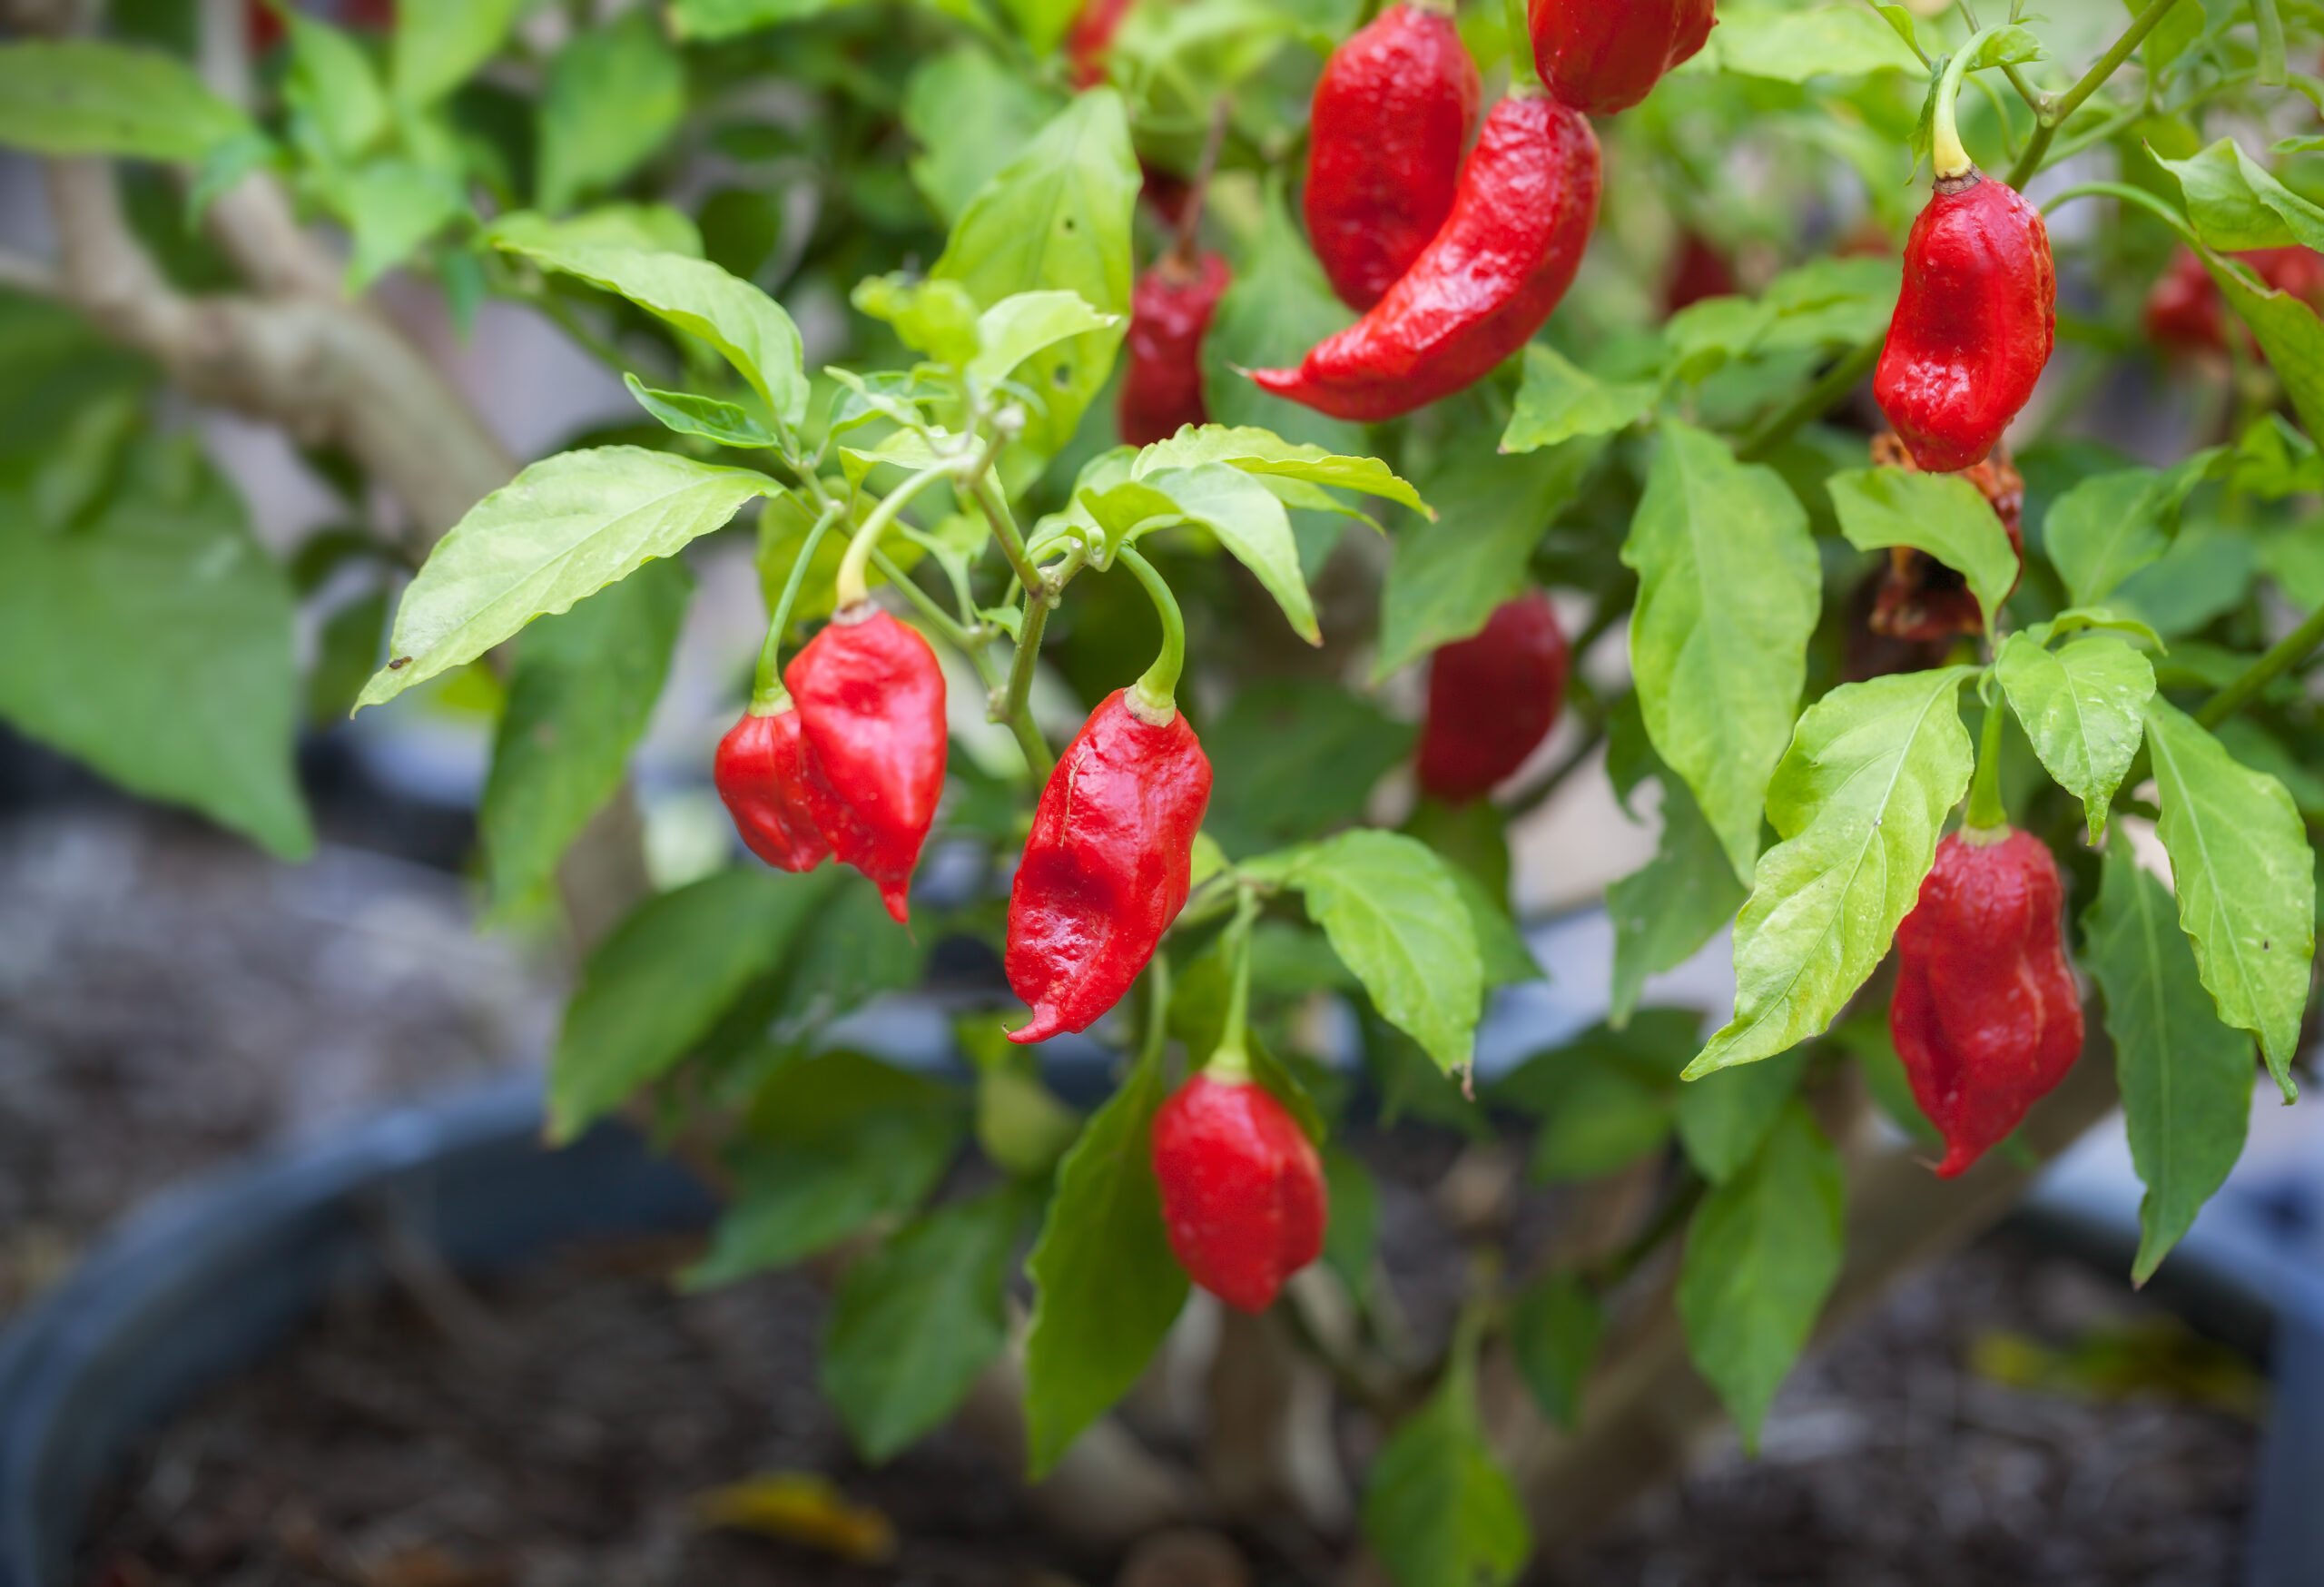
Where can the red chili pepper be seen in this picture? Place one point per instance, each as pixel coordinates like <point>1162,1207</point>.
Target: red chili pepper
<point>1107,865</point>
<point>1920,598</point>
<point>1973,325</point>
<point>870,700</point>
<point>761,771</point>
<point>1698,271</point>
<point>1986,1016</point>
<point>1602,57</point>
<point>1491,699</point>
<point>1090,37</point>
<point>2185,309</point>
<point>1242,1190</point>
<point>1169,314</point>
<point>1522,218</point>
<point>1391,117</point>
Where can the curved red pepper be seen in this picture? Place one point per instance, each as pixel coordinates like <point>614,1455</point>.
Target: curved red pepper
<point>1491,700</point>
<point>1391,117</point>
<point>1242,1192</point>
<point>1527,201</point>
<point>761,771</point>
<point>1920,598</point>
<point>871,701</point>
<point>1986,1016</point>
<point>1169,313</point>
<point>1602,57</point>
<point>1107,865</point>
<point>1973,325</point>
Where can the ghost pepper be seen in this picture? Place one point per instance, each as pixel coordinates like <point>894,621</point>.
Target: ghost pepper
<point>1242,1194</point>
<point>1602,57</point>
<point>761,773</point>
<point>1493,699</point>
<point>1170,312</point>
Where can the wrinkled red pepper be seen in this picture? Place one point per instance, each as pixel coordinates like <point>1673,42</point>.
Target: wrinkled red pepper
<point>761,772</point>
<point>1170,313</point>
<point>2185,309</point>
<point>871,705</point>
<point>1602,57</point>
<point>1986,1017</point>
<point>1698,271</point>
<point>1107,868</point>
<point>1920,598</point>
<point>1241,1187</point>
<point>1385,133</point>
<point>1520,219</point>
<point>1493,699</point>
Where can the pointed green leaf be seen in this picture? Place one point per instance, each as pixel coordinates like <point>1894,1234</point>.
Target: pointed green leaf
<point>1438,1509</point>
<point>2082,708</point>
<point>1249,520</point>
<point>1668,908</point>
<point>1941,514</point>
<point>1554,1331</point>
<point>1559,402</point>
<point>1262,452</point>
<point>1396,919</point>
<point>439,42</point>
<point>1724,1117</point>
<point>78,96</point>
<point>683,413</point>
<point>614,95</point>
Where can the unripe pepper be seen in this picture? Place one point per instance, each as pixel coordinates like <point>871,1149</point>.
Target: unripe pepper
<point>1602,57</point>
<point>1390,120</point>
<point>1520,221</point>
<point>1241,1187</point>
<point>1169,313</point>
<point>1493,699</point>
<point>1986,1017</point>
<point>761,772</point>
<point>1920,598</point>
<point>1107,868</point>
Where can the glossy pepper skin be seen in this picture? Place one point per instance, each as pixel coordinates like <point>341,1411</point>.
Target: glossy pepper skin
<point>1973,325</point>
<point>1520,219</point>
<point>1169,312</point>
<point>1493,699</point>
<point>1107,865</point>
<point>761,772</point>
<point>870,703</point>
<point>1391,117</point>
<point>1986,1016</point>
<point>1602,57</point>
<point>1920,598</point>
<point>1242,1190</point>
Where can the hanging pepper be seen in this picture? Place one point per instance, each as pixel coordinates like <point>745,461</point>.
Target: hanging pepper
<point>1602,57</point>
<point>1520,219</point>
<point>1974,323</point>
<point>1090,37</point>
<point>1493,699</point>
<point>1698,270</point>
<point>1986,1017</point>
<point>1920,598</point>
<point>2185,309</point>
<point>1391,117</point>
<point>1169,313</point>
<point>761,772</point>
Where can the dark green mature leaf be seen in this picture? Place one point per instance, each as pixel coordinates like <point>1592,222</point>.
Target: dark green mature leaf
<point>2082,709</point>
<point>1559,401</point>
<point>1941,514</point>
<point>615,94</point>
<point>1352,1236</point>
<point>1652,1048</point>
<point>561,531</point>
<point>1397,920</point>
<point>1438,1509</point>
<point>78,96</point>
<point>1105,1287</point>
<point>1724,1117</point>
<point>1554,1331</point>
<point>970,117</point>
<point>655,987</point>
<point>915,1322</point>
<point>149,634</point>
<point>2186,1078</point>
<point>1728,588</point>
<point>2246,880</point>
<point>1858,801</point>
<point>1604,1117</point>
<point>1293,757</point>
<point>439,42</point>
<point>583,685</point>
<point>1670,907</point>
<point>1762,1254</point>
<point>1279,306</point>
<point>856,952</point>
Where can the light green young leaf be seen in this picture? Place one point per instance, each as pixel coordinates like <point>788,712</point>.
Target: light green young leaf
<point>2082,709</point>
<point>1249,520</point>
<point>1941,514</point>
<point>390,207</point>
<point>2237,205</point>
<point>562,530</point>
<point>1794,45</point>
<point>2246,880</point>
<point>971,116</point>
<point>1279,305</point>
<point>1670,907</point>
<point>1559,401</point>
<point>718,19</point>
<point>1017,327</point>
<point>1554,1332</point>
<point>1723,1118</point>
<point>439,42</point>
<point>642,228</point>
<point>683,413</point>
<point>2076,619</point>
<point>1858,801</point>
<point>1438,1509</point>
<point>1267,454</point>
<point>1762,1254</point>
<point>78,96</point>
<point>332,87</point>
<point>1396,919</point>
<point>2186,1078</point>
<point>2110,526</point>
<point>615,94</point>
<point>1728,588</point>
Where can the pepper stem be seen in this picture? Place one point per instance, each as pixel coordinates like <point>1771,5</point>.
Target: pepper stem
<point>1524,76</point>
<point>1986,819</point>
<point>853,589</point>
<point>1158,690</point>
<point>1230,1061</point>
<point>768,697</point>
<point>1947,157</point>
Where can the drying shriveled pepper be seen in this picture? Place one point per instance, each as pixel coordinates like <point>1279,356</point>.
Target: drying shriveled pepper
<point>1391,117</point>
<point>1241,1187</point>
<point>1920,598</point>
<point>1520,219</point>
<point>761,772</point>
<point>1974,323</point>
<point>1602,57</point>
<point>1169,313</point>
<point>1493,699</point>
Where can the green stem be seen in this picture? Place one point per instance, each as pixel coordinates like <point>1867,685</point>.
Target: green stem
<point>2283,656</point>
<point>1158,689</point>
<point>2054,113</point>
<point>1523,75</point>
<point>1812,404</point>
<point>995,507</point>
<point>2129,195</point>
<point>1230,1061</point>
<point>2269,25</point>
<point>1157,983</point>
<point>1947,157</point>
<point>1985,812</point>
<point>768,695</point>
<point>852,590</point>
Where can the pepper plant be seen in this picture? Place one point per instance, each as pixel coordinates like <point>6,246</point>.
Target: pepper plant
<point>1932,659</point>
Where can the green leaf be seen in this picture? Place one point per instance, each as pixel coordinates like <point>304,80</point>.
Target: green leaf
<point>915,1322</point>
<point>1245,515</point>
<point>1449,577</point>
<point>2082,709</point>
<point>333,89</point>
<point>655,989</point>
<point>2287,331</point>
<point>1559,402</point>
<point>2186,1078</point>
<point>1762,1254</point>
<point>1291,758</point>
<point>1017,327</point>
<point>1279,305</point>
<point>2246,880</point>
<point>1724,1117</point>
<point>78,96</point>
<point>583,685</point>
<point>1794,45</point>
<point>1603,1117</point>
<point>1264,453</point>
<point>1941,514</point>
<point>685,413</point>
<point>2110,526</point>
<point>614,95</point>
<point>1728,588</point>
<point>1554,1331</point>
<point>641,228</point>
<point>390,208</point>
<point>1668,908</point>
<point>1501,948</point>
<point>439,42</point>
<point>1396,919</point>
<point>971,116</point>
<point>1438,1509</point>
<point>150,635</point>
<point>1351,1234</point>
<point>564,529</point>
<point>1858,801</point>
<point>718,19</point>
<point>1058,217</point>
<point>1105,1287</point>
<point>2236,205</point>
